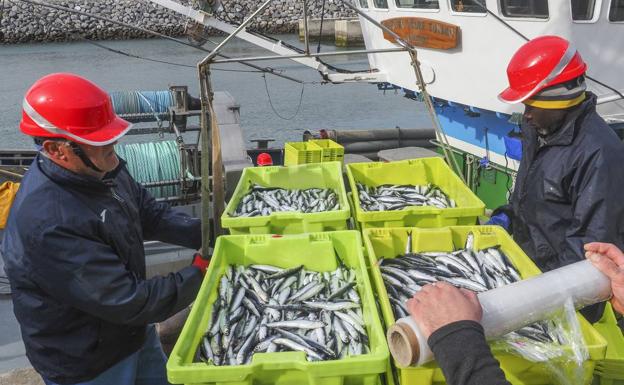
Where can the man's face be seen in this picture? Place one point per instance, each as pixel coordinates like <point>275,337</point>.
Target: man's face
<point>103,157</point>
<point>546,121</point>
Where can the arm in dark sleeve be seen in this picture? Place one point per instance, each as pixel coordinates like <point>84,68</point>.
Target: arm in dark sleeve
<point>161,222</point>
<point>89,275</point>
<point>464,356</point>
<point>597,205</point>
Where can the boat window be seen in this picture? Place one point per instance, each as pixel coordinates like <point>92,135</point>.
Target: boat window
<point>422,4</point>
<point>471,6</point>
<point>525,8</point>
<point>363,3</point>
<point>616,11</point>
<point>381,4</point>
<point>583,9</point>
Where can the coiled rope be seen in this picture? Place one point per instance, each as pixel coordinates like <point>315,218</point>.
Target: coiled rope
<point>153,162</point>
<point>141,103</point>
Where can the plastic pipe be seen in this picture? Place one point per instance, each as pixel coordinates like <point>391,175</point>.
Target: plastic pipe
<point>511,307</point>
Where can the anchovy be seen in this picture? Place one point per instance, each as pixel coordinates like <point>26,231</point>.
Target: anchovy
<point>295,346</point>
<point>285,273</point>
<point>331,306</point>
<point>297,324</point>
<point>341,291</point>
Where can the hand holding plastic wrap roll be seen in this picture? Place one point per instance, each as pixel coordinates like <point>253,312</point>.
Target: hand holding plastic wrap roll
<point>511,307</point>
<point>610,260</point>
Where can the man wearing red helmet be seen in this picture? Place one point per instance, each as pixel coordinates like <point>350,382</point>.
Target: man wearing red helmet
<point>567,194</point>
<point>568,188</point>
<point>73,246</point>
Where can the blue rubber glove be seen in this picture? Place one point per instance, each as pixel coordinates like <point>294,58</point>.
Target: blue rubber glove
<point>500,219</point>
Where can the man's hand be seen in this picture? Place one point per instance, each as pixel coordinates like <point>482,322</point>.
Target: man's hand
<point>610,260</point>
<point>500,219</point>
<point>199,262</point>
<point>440,304</point>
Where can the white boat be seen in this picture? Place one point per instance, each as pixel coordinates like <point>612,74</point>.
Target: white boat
<point>463,49</point>
<point>465,79</point>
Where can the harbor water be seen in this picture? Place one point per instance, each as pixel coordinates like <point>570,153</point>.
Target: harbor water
<point>344,106</point>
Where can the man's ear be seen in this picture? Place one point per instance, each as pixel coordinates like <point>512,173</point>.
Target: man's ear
<point>55,149</point>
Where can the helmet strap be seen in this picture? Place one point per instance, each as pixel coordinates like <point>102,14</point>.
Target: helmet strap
<point>85,159</point>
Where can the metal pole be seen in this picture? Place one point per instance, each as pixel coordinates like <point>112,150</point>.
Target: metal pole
<point>205,96</point>
<point>434,118</point>
<point>305,27</point>
<point>608,98</point>
<point>11,174</point>
<point>321,54</point>
<point>216,50</point>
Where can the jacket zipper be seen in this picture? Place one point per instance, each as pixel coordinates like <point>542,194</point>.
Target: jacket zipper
<point>121,202</point>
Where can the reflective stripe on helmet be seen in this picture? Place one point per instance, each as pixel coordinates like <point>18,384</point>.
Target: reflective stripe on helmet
<point>51,128</point>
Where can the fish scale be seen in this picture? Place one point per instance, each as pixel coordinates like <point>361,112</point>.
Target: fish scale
<point>301,313</point>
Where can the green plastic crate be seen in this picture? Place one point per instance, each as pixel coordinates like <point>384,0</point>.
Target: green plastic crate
<point>321,175</point>
<point>388,243</point>
<point>332,151</point>
<point>316,252</point>
<point>611,369</point>
<point>301,153</point>
<point>415,172</point>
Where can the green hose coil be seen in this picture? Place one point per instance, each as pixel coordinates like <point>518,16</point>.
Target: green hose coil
<point>153,162</point>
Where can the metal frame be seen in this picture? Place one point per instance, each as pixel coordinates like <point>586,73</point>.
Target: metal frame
<point>321,54</point>
<point>278,48</point>
<point>210,136</point>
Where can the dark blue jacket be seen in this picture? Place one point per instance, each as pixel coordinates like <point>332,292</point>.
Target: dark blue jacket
<point>568,191</point>
<point>73,251</point>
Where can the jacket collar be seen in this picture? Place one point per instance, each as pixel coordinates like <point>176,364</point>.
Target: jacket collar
<point>566,134</point>
<point>65,177</point>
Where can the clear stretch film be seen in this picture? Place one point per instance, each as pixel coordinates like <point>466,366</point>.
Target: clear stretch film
<point>514,306</point>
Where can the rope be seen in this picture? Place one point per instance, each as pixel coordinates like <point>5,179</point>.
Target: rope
<point>266,87</point>
<point>142,102</point>
<point>153,162</point>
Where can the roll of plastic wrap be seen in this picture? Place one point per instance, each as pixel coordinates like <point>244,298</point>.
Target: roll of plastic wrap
<point>512,307</point>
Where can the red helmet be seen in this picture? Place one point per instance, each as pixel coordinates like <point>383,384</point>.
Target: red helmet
<point>64,105</point>
<point>541,63</point>
<point>264,159</point>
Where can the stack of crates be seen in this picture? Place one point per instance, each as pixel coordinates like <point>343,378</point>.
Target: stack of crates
<point>288,239</point>
<point>312,151</point>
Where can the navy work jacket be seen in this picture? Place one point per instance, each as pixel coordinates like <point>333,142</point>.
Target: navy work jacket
<point>568,190</point>
<point>73,252</point>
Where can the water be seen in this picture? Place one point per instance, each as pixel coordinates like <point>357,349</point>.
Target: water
<point>345,106</point>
